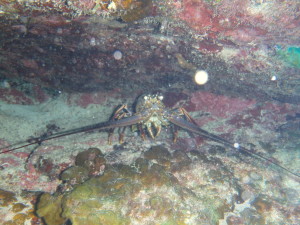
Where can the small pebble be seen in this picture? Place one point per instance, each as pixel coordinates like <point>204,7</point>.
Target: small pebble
<point>93,42</point>
<point>255,176</point>
<point>291,195</point>
<point>5,84</point>
<point>246,195</point>
<point>59,30</point>
<point>246,180</point>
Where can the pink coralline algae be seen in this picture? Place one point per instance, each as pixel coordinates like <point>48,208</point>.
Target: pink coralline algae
<point>197,14</point>
<point>243,21</point>
<point>217,105</point>
<point>33,181</point>
<point>230,114</point>
<point>245,34</point>
<point>29,63</point>
<point>85,99</point>
<point>14,96</point>
<point>9,162</point>
<point>269,115</point>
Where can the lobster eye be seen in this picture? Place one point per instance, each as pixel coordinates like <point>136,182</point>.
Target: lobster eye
<point>160,97</point>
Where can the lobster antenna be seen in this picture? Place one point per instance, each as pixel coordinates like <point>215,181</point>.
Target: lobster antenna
<point>41,139</point>
<point>99,126</point>
<point>236,146</point>
<point>197,130</point>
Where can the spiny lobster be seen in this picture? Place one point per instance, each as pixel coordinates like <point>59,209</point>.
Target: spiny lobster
<point>150,116</point>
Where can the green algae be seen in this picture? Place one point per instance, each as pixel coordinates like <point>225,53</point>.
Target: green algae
<point>49,208</point>
<point>291,56</point>
<point>146,191</point>
<point>7,198</point>
<point>75,174</point>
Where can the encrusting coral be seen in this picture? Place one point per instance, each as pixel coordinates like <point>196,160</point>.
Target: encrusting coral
<point>143,192</point>
<point>161,187</point>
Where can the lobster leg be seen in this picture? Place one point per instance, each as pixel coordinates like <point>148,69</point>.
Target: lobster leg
<point>175,133</point>
<point>158,129</point>
<point>183,112</point>
<point>120,113</point>
<point>142,132</point>
<point>121,134</point>
<point>150,131</point>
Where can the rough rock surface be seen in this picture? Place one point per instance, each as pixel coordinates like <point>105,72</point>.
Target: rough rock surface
<point>67,64</point>
<point>163,187</point>
<point>69,45</point>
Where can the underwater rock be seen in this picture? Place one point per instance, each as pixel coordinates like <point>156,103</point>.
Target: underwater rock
<point>92,160</point>
<point>261,204</point>
<point>134,10</point>
<point>86,157</point>
<point>145,191</point>
<point>247,195</point>
<point>17,208</point>
<point>252,217</point>
<point>47,167</point>
<point>49,207</point>
<point>74,175</point>
<point>291,195</point>
<point>160,187</point>
<point>159,154</point>
<point>79,37</point>
<point>235,220</point>
<point>7,197</point>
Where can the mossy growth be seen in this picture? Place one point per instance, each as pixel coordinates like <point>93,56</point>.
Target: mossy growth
<point>132,10</point>
<point>7,197</point>
<point>213,2</point>
<point>145,192</point>
<point>291,56</point>
<point>49,208</point>
<point>127,10</point>
<point>75,174</point>
<point>18,207</point>
<point>261,204</point>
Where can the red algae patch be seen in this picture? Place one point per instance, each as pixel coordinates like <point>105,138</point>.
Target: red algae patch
<point>217,105</point>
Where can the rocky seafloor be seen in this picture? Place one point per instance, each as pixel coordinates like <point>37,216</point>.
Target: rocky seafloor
<point>80,179</point>
<point>68,64</point>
